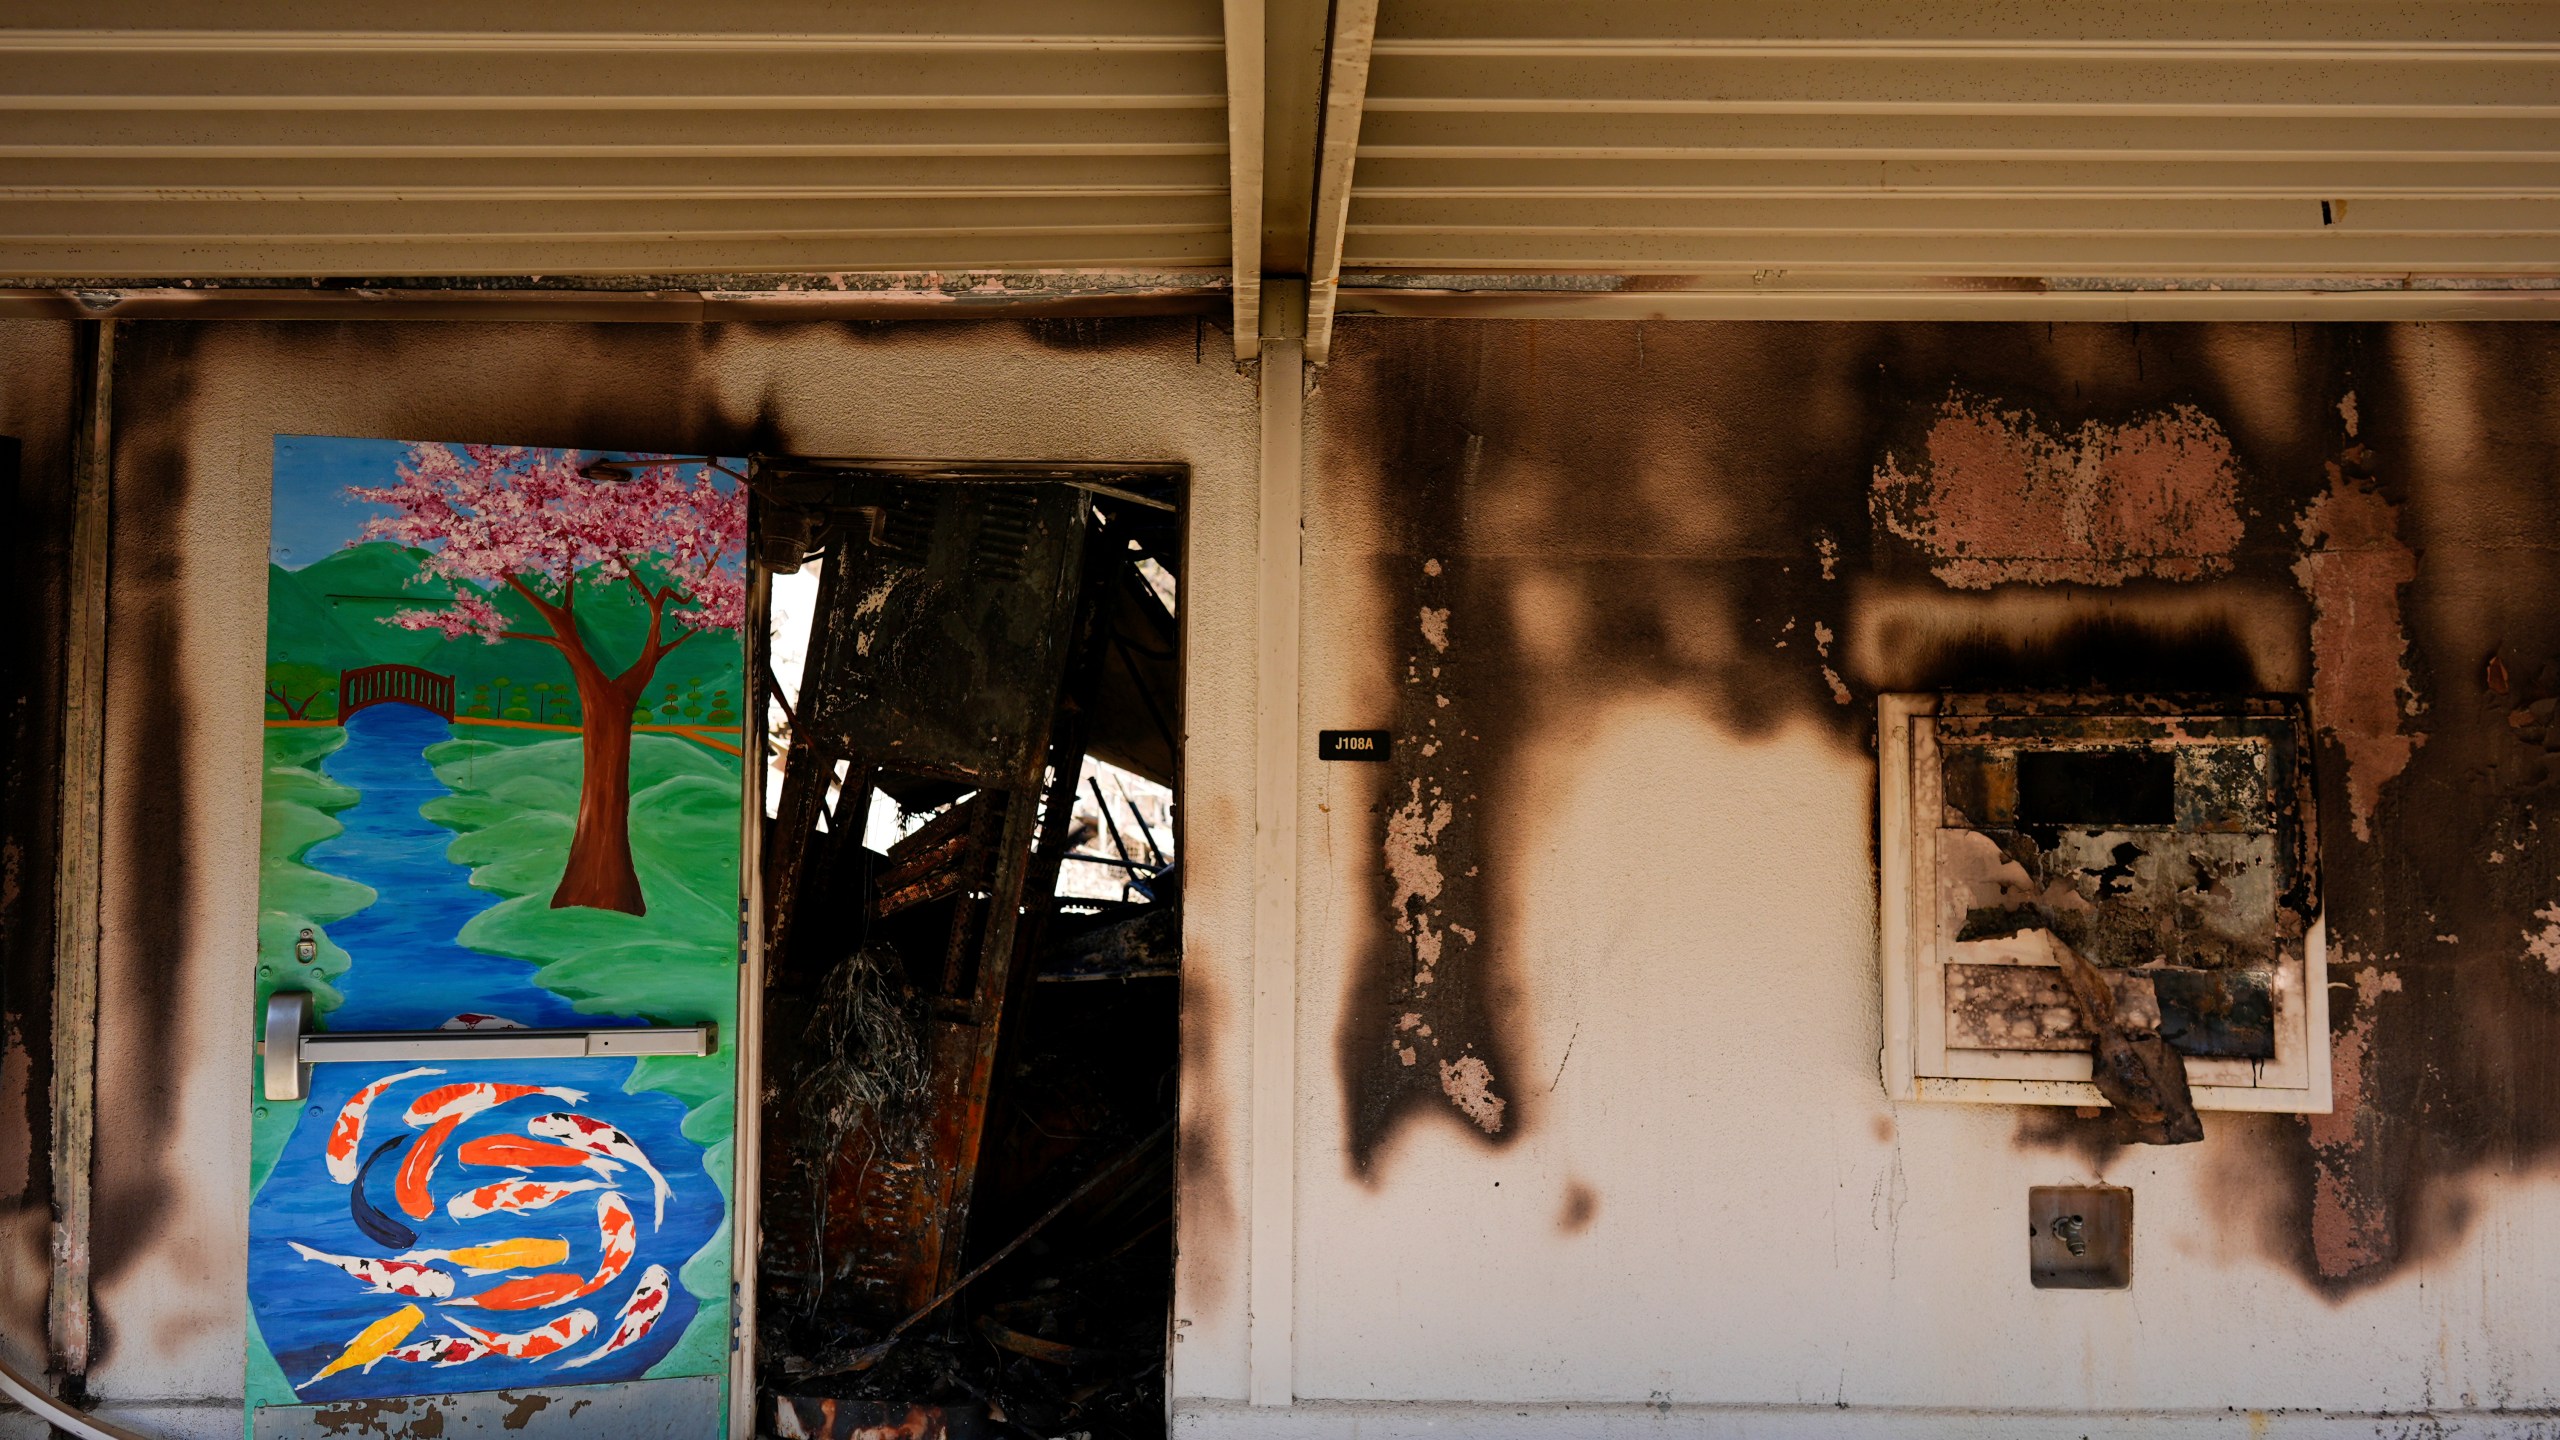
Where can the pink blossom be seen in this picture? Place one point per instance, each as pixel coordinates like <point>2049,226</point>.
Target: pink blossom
<point>490,514</point>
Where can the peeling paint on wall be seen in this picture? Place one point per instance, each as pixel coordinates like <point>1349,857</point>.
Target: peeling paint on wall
<point>2353,569</point>
<point>2544,944</point>
<point>1431,863</point>
<point>1998,496</point>
<point>2149,508</point>
<point>2351,1227</point>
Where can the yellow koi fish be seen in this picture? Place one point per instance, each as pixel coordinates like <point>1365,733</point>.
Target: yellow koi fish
<point>371,1344</point>
<point>527,1253</point>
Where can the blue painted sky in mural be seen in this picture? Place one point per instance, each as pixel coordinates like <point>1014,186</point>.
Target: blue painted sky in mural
<point>313,513</point>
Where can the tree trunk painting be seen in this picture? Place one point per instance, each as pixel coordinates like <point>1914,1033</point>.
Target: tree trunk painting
<point>600,872</point>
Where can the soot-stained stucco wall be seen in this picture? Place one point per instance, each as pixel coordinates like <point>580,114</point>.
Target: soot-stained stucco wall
<point>197,410</point>
<point>1606,579</point>
<point>36,378</point>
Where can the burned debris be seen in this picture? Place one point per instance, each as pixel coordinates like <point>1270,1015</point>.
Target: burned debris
<point>2120,892</point>
<point>968,1193</point>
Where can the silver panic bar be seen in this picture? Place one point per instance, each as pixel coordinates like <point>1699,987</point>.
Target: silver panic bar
<point>290,1049</point>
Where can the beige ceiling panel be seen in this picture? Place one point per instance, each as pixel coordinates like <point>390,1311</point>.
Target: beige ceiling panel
<point>2372,258</point>
<point>323,176</point>
<point>2042,81</point>
<point>675,24</point>
<point>1423,134</point>
<point>422,139</point>
<point>2337,141</point>
<point>604,218</point>
<point>1398,177</point>
<point>988,130</point>
<point>569,255</point>
<point>606,76</point>
<point>2221,24</point>
<point>1916,213</point>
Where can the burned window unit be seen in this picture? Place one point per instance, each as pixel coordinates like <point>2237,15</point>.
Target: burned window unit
<point>2102,901</point>
<point>968,1172</point>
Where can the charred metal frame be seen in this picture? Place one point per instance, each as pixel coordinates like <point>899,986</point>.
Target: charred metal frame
<point>937,736</point>
<point>2156,1008</point>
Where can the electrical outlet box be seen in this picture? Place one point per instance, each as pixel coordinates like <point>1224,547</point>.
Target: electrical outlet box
<point>2169,840</point>
<point>2079,1237</point>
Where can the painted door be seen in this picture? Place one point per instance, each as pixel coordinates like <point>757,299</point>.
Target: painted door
<point>503,790</point>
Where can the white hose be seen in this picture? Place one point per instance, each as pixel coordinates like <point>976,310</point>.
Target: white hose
<point>56,1414</point>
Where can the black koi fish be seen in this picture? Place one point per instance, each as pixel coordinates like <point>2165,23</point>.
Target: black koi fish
<point>381,1229</point>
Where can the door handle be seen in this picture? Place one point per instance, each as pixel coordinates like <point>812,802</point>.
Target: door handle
<point>290,1047</point>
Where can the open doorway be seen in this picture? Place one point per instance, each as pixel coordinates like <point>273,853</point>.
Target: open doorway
<point>971,877</point>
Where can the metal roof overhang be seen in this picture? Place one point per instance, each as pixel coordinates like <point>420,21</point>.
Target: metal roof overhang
<point>1826,158</point>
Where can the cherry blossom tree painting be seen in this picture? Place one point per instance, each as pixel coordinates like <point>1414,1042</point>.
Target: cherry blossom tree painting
<point>505,521</point>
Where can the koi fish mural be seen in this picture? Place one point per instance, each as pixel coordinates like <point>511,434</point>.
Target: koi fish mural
<point>530,1292</point>
<point>461,1102</point>
<point>597,1138</point>
<point>619,1239</point>
<point>410,1187</point>
<point>529,1253</point>
<point>387,1277</point>
<point>375,1342</point>
<point>397,730</point>
<point>441,1350</point>
<point>377,1227</point>
<point>515,1197</point>
<point>347,1134</point>
<point>551,1339</point>
<point>638,1316</point>
<point>515,1152</point>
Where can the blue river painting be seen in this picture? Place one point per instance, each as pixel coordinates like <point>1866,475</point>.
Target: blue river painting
<point>310,1311</point>
<point>466,830</point>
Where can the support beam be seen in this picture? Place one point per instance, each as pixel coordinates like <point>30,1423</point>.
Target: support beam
<point>1293,45</point>
<point>1244,169</point>
<point>1272,1241</point>
<point>1346,87</point>
<point>746,1141</point>
<point>1294,36</point>
<point>77,872</point>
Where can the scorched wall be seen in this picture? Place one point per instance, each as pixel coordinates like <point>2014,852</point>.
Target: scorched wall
<point>1588,1109</point>
<point>1591,999</point>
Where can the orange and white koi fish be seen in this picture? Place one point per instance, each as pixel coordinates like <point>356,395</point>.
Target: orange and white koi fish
<point>514,1195</point>
<point>597,1138</point>
<point>442,1350</point>
<point>639,1313</point>
<point>372,1344</point>
<point>530,1292</point>
<point>419,1167</point>
<point>515,1152</point>
<point>621,1240</point>
<point>347,1135</point>
<point>462,1101</point>
<point>551,1339</point>
<point>529,1253</point>
<point>387,1277</point>
<point>474,1020</point>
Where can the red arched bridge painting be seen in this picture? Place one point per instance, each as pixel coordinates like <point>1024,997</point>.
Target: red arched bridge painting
<point>394,685</point>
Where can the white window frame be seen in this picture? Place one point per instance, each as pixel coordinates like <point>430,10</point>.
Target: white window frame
<point>1917,1062</point>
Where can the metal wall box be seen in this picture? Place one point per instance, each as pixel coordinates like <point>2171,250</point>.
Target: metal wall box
<point>2171,840</point>
<point>2079,1237</point>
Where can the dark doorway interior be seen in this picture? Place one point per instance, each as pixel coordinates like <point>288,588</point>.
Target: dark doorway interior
<point>972,921</point>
